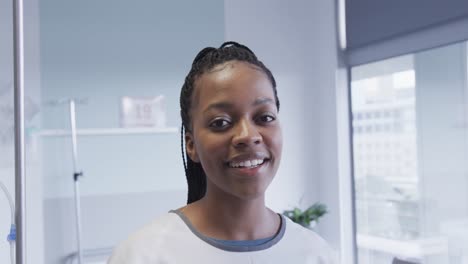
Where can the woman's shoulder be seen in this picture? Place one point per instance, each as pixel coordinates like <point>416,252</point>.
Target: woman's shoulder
<point>143,243</point>
<point>158,225</point>
<point>307,240</point>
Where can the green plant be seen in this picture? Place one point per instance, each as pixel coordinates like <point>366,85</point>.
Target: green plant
<point>304,218</point>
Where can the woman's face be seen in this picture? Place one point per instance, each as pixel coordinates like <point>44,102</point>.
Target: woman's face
<point>236,134</point>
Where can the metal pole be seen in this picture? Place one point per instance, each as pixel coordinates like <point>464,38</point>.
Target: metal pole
<point>76,176</point>
<point>20,187</point>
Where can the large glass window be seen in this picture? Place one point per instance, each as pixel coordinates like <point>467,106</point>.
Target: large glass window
<point>410,128</point>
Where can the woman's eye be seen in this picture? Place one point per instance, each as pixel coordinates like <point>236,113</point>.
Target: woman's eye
<point>219,123</point>
<point>266,118</point>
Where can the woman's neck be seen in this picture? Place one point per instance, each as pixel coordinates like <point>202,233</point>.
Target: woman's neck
<point>230,218</point>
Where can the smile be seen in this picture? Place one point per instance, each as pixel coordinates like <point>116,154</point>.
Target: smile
<point>247,163</point>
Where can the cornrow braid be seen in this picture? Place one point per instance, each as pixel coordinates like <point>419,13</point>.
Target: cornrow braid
<point>205,61</point>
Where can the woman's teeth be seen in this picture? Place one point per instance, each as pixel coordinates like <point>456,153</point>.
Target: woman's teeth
<point>246,164</point>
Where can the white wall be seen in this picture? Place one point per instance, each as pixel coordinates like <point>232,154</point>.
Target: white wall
<point>297,40</point>
<point>92,51</point>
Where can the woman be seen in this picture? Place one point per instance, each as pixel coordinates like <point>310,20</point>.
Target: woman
<point>233,141</point>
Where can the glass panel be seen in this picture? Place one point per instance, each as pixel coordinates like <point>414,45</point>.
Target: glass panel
<point>410,150</point>
<point>32,124</point>
<point>7,174</point>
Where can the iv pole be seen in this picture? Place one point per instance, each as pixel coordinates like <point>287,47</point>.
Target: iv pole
<point>76,175</point>
<point>20,187</point>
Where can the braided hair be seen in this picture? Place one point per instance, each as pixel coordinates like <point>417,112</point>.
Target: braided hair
<point>205,61</point>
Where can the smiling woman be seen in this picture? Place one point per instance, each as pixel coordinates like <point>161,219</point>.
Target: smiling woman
<point>235,124</point>
<point>229,109</point>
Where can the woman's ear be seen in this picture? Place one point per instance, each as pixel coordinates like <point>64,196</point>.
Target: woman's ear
<point>190,147</point>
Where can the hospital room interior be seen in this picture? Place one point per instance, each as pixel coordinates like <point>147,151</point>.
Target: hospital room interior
<point>373,111</point>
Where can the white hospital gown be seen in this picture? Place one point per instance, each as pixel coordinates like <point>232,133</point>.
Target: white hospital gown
<point>171,239</point>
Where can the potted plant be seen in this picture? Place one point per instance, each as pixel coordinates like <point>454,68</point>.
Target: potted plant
<point>308,218</point>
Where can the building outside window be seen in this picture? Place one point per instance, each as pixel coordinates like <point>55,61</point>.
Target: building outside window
<point>410,157</point>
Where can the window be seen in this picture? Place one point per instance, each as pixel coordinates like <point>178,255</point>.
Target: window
<point>411,169</point>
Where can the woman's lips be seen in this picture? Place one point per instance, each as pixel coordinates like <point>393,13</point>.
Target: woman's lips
<point>251,163</point>
<point>249,171</point>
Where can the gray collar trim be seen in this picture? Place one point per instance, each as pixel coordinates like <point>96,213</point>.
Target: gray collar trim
<point>234,248</point>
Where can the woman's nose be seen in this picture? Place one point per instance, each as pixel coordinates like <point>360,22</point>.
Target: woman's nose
<point>246,133</point>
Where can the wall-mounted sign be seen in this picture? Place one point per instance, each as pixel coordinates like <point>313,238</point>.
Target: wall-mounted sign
<point>143,111</point>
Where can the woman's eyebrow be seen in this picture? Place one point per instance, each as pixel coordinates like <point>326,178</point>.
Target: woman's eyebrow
<point>263,100</point>
<point>220,105</point>
<point>227,105</point>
